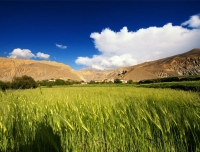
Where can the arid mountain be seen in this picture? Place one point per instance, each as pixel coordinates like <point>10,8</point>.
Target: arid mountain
<point>39,70</point>
<point>182,64</point>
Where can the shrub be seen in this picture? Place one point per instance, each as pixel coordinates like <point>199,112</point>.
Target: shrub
<point>24,82</point>
<point>117,81</point>
<point>4,85</point>
<point>130,81</point>
<point>49,84</point>
<point>92,82</point>
<point>146,81</point>
<point>59,82</point>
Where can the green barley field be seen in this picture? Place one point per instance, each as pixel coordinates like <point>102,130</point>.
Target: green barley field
<point>99,119</point>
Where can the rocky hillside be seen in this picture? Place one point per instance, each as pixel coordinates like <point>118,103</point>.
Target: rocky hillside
<point>182,64</point>
<point>39,70</point>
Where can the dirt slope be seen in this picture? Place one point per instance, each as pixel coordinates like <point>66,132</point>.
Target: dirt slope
<point>39,70</point>
<point>182,64</point>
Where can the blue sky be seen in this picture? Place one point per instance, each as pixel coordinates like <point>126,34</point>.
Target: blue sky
<point>100,34</point>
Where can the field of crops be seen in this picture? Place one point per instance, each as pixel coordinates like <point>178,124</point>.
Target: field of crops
<point>99,119</point>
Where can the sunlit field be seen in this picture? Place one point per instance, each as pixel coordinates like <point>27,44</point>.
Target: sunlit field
<point>99,119</point>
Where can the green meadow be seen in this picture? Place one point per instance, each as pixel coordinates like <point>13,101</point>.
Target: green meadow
<point>99,119</point>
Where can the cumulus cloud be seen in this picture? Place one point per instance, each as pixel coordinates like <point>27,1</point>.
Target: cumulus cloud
<point>126,48</point>
<point>43,56</point>
<point>193,22</point>
<point>26,54</point>
<point>21,53</point>
<point>105,62</point>
<point>61,46</point>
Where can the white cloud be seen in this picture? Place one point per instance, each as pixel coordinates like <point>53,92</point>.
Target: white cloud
<point>21,53</point>
<point>104,62</point>
<point>43,56</point>
<point>26,54</point>
<point>61,46</point>
<point>126,48</point>
<point>193,22</point>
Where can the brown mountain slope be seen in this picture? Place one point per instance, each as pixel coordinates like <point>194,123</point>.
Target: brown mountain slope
<point>39,70</point>
<point>182,64</point>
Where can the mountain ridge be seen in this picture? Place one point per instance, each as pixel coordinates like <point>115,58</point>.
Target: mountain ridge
<point>187,63</point>
<point>39,70</point>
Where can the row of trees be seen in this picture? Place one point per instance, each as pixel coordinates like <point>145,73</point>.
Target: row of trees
<point>57,82</point>
<point>27,82</point>
<point>172,79</point>
<point>110,82</point>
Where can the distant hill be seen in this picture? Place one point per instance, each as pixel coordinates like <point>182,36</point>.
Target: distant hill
<point>39,70</point>
<point>182,64</point>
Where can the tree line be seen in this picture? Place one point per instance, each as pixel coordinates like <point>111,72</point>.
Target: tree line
<point>172,79</point>
<point>27,82</point>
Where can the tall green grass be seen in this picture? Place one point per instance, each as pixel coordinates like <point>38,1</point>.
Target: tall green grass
<point>99,119</point>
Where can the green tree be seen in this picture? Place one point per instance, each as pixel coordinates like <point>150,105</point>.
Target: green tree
<point>4,85</point>
<point>117,81</point>
<point>50,84</point>
<point>24,82</point>
<point>130,81</point>
<point>59,82</point>
<point>92,82</point>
